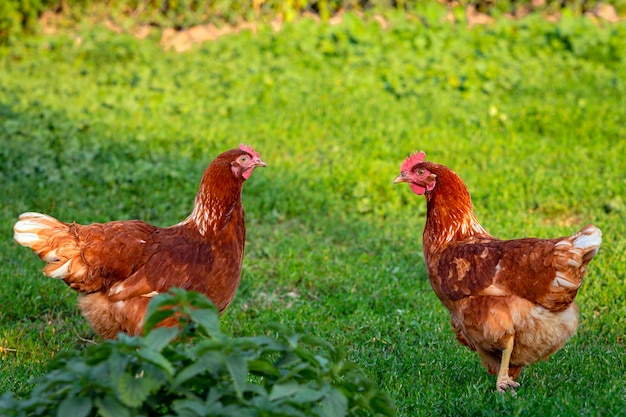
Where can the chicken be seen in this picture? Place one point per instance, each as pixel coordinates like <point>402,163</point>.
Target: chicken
<point>119,266</point>
<point>512,301</point>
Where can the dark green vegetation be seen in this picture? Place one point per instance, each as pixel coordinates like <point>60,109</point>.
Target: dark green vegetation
<point>23,16</point>
<point>198,371</point>
<point>96,126</point>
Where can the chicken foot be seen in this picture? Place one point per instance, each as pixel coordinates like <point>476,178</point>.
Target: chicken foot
<point>504,381</point>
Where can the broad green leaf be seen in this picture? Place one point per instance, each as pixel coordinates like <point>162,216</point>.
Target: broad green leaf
<point>209,361</point>
<point>256,390</point>
<point>124,339</point>
<point>77,367</point>
<point>111,407</point>
<point>238,369</point>
<point>264,342</point>
<point>133,391</point>
<point>207,318</point>
<point>308,395</point>
<point>322,361</point>
<point>215,395</point>
<point>235,410</point>
<point>188,373</point>
<point>273,408</point>
<point>185,406</point>
<point>62,375</point>
<point>8,402</point>
<point>155,317</point>
<point>262,367</point>
<point>299,370</point>
<point>157,359</point>
<point>383,404</point>
<point>199,301</point>
<point>334,404</point>
<point>293,340</point>
<point>211,345</point>
<point>306,355</point>
<point>288,359</point>
<point>157,339</point>
<point>74,407</point>
<point>317,341</point>
<point>284,390</point>
<point>117,364</point>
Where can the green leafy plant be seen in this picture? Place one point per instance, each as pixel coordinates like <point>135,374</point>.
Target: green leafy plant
<point>195,370</point>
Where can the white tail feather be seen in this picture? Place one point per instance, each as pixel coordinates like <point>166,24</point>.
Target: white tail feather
<point>61,271</point>
<point>49,239</point>
<point>574,263</point>
<point>50,256</point>
<point>572,255</point>
<point>590,238</point>
<point>29,226</point>
<point>562,281</point>
<point>26,238</point>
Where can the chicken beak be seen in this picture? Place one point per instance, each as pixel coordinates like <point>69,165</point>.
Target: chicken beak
<point>400,178</point>
<point>258,162</point>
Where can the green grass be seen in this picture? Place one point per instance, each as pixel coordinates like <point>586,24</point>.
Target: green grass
<point>96,126</point>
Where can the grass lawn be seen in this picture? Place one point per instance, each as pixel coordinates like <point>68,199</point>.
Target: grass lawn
<point>96,126</point>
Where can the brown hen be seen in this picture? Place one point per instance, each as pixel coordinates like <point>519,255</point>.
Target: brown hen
<point>512,301</point>
<point>119,266</point>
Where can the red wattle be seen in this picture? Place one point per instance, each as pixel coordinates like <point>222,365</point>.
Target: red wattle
<point>417,189</point>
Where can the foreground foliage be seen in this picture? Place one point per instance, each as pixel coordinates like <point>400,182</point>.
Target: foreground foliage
<point>196,370</point>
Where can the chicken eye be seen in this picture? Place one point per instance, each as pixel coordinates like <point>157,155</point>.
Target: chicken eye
<point>420,172</point>
<point>243,159</point>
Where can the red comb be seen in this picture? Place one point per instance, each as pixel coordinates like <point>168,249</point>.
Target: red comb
<point>412,160</point>
<point>249,150</point>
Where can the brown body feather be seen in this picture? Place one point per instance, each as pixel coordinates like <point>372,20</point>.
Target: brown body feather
<point>118,266</point>
<point>510,300</point>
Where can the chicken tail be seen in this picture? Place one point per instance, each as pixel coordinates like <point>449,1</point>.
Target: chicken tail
<point>571,256</point>
<point>588,240</point>
<point>54,242</point>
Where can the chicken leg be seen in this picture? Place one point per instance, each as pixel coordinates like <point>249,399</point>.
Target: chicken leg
<point>504,381</point>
